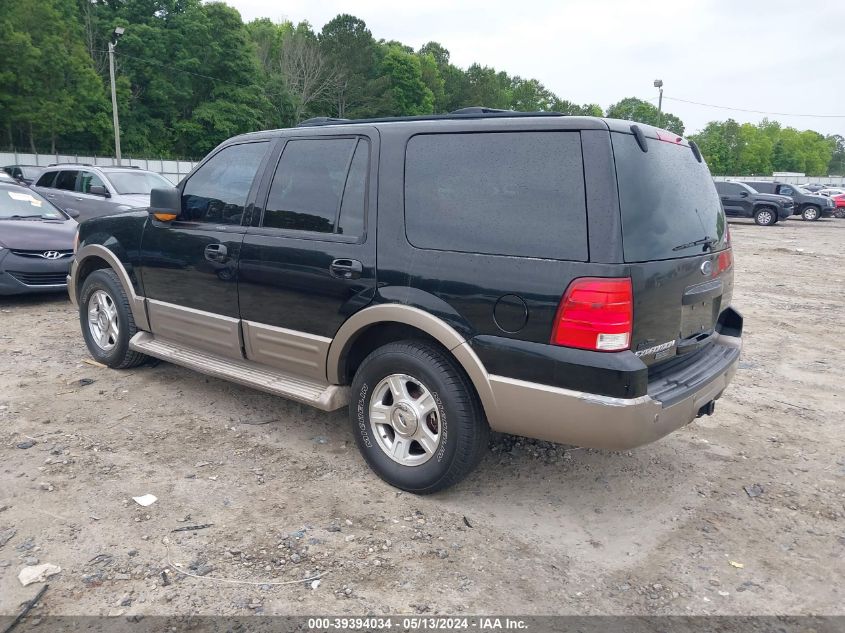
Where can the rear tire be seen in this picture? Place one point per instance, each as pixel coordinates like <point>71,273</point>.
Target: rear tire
<point>811,213</point>
<point>839,213</point>
<point>416,417</point>
<point>765,216</point>
<point>106,320</point>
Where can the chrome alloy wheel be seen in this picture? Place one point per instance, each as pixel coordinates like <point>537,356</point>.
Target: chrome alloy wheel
<point>766,217</point>
<point>405,419</point>
<point>102,320</point>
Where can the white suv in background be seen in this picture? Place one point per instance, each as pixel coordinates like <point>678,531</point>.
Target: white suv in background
<point>92,191</point>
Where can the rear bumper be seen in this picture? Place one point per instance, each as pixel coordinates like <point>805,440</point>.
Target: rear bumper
<point>594,421</point>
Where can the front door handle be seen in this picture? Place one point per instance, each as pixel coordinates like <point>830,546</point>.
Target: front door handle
<point>216,253</point>
<point>346,268</point>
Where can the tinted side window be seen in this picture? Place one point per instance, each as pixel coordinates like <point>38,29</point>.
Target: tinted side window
<point>354,205</point>
<point>66,180</point>
<point>217,192</point>
<point>46,179</point>
<point>319,186</point>
<point>88,179</point>
<point>497,193</point>
<point>786,191</point>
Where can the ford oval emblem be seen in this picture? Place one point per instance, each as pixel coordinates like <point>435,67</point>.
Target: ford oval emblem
<point>706,267</point>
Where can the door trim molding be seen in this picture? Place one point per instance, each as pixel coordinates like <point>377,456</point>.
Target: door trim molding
<point>202,330</point>
<point>291,350</point>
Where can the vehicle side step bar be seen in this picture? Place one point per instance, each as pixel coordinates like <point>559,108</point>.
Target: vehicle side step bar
<point>305,390</point>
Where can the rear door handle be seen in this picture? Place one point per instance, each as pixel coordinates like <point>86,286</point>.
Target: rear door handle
<point>346,268</point>
<point>216,253</point>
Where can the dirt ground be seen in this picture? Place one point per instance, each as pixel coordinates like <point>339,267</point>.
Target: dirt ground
<point>537,529</point>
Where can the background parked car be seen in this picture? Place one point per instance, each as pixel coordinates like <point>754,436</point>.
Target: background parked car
<point>814,187</point>
<point>94,191</point>
<point>809,205</point>
<point>839,201</point>
<point>740,200</point>
<point>831,191</point>
<point>36,242</point>
<point>25,174</point>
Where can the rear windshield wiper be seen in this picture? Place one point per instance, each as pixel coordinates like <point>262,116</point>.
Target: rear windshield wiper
<point>707,242</point>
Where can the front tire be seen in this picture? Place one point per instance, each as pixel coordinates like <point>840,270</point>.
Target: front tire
<point>765,217</point>
<point>416,417</point>
<point>811,213</point>
<point>106,320</point>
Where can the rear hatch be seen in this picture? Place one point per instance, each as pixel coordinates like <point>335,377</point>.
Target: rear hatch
<point>676,242</point>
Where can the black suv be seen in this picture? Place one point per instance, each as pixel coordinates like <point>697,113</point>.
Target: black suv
<point>563,278</point>
<point>809,206</point>
<point>743,201</point>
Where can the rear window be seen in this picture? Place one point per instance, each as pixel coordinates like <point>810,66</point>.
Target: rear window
<point>668,201</point>
<point>518,194</point>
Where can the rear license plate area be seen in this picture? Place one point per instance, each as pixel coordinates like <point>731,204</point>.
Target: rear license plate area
<point>698,318</point>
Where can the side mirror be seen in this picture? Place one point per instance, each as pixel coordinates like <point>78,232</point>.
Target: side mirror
<point>99,190</point>
<point>72,213</point>
<point>165,204</point>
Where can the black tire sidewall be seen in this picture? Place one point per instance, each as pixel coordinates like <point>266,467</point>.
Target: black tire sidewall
<point>765,210</point>
<point>100,280</point>
<point>450,402</point>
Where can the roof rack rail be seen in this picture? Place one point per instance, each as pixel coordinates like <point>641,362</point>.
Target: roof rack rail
<point>70,163</point>
<point>483,110</point>
<point>321,120</point>
<point>473,112</point>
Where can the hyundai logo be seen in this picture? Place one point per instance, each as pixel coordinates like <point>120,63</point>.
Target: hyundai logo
<point>51,254</point>
<point>706,267</point>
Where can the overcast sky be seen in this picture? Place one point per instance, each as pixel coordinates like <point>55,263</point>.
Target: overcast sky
<point>765,55</point>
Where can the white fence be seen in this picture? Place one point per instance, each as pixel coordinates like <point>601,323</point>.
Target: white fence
<point>173,170</point>
<point>833,181</point>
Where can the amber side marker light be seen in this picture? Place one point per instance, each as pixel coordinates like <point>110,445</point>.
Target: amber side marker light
<point>164,217</point>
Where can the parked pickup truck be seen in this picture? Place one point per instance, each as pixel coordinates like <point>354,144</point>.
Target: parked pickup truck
<point>559,277</point>
<point>740,200</point>
<point>809,206</point>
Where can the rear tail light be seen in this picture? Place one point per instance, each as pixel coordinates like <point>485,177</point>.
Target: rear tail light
<point>724,262</point>
<point>596,314</point>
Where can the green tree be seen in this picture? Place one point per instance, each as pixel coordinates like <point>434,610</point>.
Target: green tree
<point>407,93</point>
<point>633,109</point>
<point>836,166</point>
<point>61,96</point>
<point>352,51</point>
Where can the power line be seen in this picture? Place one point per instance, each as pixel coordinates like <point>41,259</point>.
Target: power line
<point>187,72</point>
<point>720,107</point>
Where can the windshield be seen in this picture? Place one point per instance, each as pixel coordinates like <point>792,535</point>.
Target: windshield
<point>143,182</point>
<point>19,203</point>
<point>800,189</point>
<point>670,206</point>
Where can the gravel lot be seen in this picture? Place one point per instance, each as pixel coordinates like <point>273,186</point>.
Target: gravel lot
<point>537,529</point>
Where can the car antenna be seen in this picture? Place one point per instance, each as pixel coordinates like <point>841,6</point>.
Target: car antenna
<point>638,133</point>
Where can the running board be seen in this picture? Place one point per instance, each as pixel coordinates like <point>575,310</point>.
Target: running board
<point>305,390</point>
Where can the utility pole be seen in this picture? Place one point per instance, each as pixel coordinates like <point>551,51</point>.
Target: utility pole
<point>115,35</point>
<point>658,83</point>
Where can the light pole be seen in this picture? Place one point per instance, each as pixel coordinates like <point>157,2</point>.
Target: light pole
<point>658,83</point>
<point>118,31</point>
